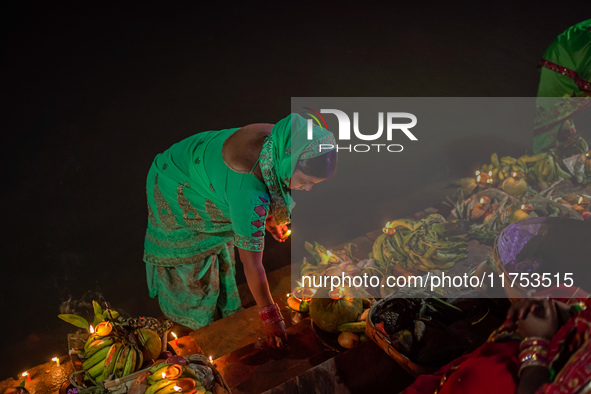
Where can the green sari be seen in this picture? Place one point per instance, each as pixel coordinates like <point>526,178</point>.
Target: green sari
<point>565,83</point>
<point>199,209</point>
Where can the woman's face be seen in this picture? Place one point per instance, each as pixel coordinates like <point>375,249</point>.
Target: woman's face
<point>301,181</point>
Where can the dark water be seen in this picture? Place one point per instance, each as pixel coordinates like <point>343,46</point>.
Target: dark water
<point>93,92</point>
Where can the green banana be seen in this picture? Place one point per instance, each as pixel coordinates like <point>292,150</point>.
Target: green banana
<point>98,345</point>
<point>169,389</point>
<point>130,362</point>
<point>494,159</point>
<point>95,359</point>
<point>118,370</point>
<point>358,326</point>
<point>157,374</point>
<point>91,339</point>
<point>97,369</point>
<point>111,359</point>
<point>378,255</point>
<point>406,223</point>
<point>533,158</point>
<point>508,160</point>
<point>159,385</point>
<point>140,360</point>
<point>156,367</point>
<point>561,173</point>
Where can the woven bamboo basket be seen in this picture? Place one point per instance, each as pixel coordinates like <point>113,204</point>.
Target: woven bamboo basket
<point>562,242</point>
<point>383,342</point>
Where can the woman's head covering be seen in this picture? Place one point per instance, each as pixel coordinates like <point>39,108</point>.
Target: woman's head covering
<point>287,144</point>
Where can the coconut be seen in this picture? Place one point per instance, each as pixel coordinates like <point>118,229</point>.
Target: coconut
<point>328,313</point>
<point>514,186</point>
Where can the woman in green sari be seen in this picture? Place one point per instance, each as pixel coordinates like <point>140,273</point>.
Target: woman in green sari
<point>565,86</point>
<point>220,189</point>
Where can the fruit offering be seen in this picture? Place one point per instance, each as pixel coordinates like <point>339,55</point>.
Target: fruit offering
<point>423,245</point>
<point>166,378</point>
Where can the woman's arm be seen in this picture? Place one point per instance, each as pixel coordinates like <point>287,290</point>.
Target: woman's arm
<point>542,321</point>
<point>256,277</point>
<point>259,287</point>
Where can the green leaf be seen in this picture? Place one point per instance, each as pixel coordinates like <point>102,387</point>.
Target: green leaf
<point>97,320</point>
<point>98,311</point>
<point>76,320</point>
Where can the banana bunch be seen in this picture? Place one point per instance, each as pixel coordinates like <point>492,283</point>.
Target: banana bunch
<point>500,169</point>
<point>543,168</point>
<point>418,244</point>
<point>106,356</point>
<point>167,378</point>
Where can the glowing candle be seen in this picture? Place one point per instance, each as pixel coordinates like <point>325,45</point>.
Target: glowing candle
<point>26,373</point>
<point>286,235</point>
<point>57,361</point>
<point>176,339</point>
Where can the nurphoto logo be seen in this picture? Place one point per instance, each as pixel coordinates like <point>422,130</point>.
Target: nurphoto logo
<point>393,126</point>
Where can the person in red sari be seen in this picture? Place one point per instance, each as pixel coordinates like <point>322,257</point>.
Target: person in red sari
<point>543,347</point>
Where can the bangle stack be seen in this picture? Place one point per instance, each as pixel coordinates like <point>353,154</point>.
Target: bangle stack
<point>270,314</point>
<point>533,352</point>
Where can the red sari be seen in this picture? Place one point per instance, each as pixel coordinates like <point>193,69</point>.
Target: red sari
<point>492,368</point>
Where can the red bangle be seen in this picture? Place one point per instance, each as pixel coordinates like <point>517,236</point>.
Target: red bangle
<point>533,341</point>
<point>270,314</point>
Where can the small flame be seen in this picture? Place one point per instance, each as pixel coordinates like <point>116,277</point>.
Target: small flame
<point>55,359</point>
<point>91,329</point>
<point>482,200</point>
<point>24,374</point>
<point>328,253</point>
<point>174,335</point>
<point>490,173</point>
<point>587,154</point>
<point>478,178</point>
<point>177,388</point>
<point>163,375</point>
<point>523,206</point>
<point>514,174</point>
<point>580,200</point>
<point>489,181</point>
<point>210,359</point>
<point>388,224</point>
<point>288,295</point>
<point>287,233</point>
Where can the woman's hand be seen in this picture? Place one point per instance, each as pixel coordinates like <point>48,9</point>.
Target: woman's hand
<point>278,232</point>
<point>276,335</point>
<point>540,321</point>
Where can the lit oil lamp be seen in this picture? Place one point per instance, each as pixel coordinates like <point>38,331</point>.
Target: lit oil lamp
<point>27,375</point>
<point>176,339</point>
<point>483,178</point>
<point>387,229</point>
<point>337,294</point>
<point>331,257</point>
<point>527,208</point>
<point>173,372</point>
<point>480,208</point>
<point>299,298</point>
<point>583,201</point>
<point>103,329</point>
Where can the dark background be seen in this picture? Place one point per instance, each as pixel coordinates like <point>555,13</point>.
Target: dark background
<point>93,91</point>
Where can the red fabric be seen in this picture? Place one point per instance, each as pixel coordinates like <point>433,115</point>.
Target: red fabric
<point>491,368</point>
